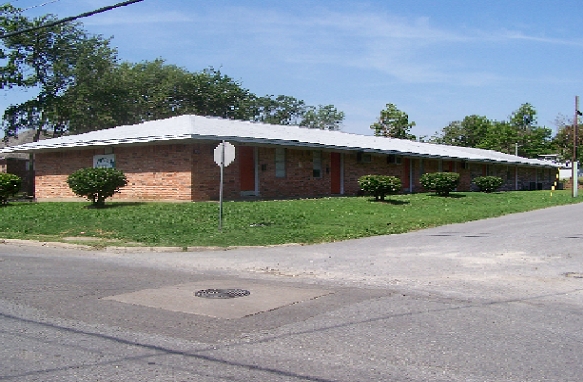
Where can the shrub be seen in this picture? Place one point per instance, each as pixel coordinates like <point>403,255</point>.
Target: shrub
<point>9,186</point>
<point>379,185</point>
<point>96,184</point>
<point>580,180</point>
<point>488,183</point>
<point>441,182</point>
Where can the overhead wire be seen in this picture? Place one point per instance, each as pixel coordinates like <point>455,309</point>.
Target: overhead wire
<point>40,5</point>
<point>72,18</point>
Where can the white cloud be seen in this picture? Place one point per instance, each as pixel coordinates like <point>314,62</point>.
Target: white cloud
<point>166,17</point>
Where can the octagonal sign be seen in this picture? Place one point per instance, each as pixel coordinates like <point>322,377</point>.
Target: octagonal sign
<point>229,154</point>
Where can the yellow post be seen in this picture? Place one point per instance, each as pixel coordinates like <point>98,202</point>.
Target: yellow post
<point>554,187</point>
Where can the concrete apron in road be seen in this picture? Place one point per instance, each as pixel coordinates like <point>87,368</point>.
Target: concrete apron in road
<point>258,298</point>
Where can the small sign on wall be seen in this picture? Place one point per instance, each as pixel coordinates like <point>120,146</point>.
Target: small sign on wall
<point>104,161</point>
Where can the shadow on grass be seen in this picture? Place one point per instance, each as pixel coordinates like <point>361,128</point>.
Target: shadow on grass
<point>390,201</point>
<point>451,196</point>
<point>14,203</point>
<point>114,205</point>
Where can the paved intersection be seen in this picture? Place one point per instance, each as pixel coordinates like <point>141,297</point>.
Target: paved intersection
<point>493,300</point>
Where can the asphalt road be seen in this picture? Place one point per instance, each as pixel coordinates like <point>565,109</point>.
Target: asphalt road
<point>494,300</point>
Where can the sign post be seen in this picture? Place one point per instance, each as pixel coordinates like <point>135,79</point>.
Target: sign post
<point>224,155</point>
<point>575,139</point>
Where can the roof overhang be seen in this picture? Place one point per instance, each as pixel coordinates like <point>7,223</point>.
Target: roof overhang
<point>190,128</point>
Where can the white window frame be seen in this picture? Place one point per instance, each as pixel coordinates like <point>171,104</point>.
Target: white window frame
<point>280,162</point>
<point>317,164</point>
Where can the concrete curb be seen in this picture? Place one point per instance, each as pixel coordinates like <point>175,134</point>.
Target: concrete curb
<point>119,249</point>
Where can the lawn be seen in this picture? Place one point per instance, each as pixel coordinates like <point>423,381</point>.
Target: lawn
<point>259,222</point>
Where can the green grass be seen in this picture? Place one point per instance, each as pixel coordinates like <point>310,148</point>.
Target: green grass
<point>261,222</point>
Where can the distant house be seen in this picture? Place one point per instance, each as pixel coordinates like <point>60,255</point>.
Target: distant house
<point>172,160</point>
<point>18,163</point>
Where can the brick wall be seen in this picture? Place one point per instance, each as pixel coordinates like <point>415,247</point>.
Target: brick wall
<point>184,172</point>
<point>154,172</point>
<point>19,167</point>
<point>299,180</point>
<point>52,169</point>
<point>353,169</point>
<point>568,184</point>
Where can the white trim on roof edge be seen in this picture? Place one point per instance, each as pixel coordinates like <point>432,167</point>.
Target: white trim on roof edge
<point>196,128</point>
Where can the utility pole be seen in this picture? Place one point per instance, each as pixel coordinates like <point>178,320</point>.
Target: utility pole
<point>574,161</point>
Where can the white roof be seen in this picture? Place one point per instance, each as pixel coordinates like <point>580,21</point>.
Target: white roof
<point>192,127</point>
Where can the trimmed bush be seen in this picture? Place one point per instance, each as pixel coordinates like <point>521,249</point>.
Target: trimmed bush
<point>380,185</point>
<point>488,183</point>
<point>9,186</point>
<point>96,184</point>
<point>442,183</point>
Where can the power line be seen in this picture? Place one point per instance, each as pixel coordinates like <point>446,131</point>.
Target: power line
<point>72,18</point>
<point>40,5</point>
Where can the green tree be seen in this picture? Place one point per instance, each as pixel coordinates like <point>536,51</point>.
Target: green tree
<point>519,134</point>
<point>280,110</point>
<point>468,132</point>
<point>488,183</point>
<point>10,185</point>
<point>213,93</point>
<point>532,140</point>
<point>90,103</point>
<point>562,142</point>
<point>393,123</point>
<point>538,141</point>
<point>441,182</point>
<point>322,117</point>
<point>10,21</point>
<point>524,118</point>
<point>96,184</point>
<point>501,136</point>
<point>45,59</point>
<point>131,93</point>
<point>82,86</point>
<point>380,186</point>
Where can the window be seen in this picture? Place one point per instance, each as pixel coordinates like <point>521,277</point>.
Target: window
<point>317,164</point>
<point>363,157</point>
<point>280,162</point>
<point>394,159</point>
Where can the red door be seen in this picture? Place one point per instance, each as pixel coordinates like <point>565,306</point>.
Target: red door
<point>247,168</point>
<point>406,173</point>
<point>335,176</point>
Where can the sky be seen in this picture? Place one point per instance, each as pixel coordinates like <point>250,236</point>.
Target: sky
<point>436,60</point>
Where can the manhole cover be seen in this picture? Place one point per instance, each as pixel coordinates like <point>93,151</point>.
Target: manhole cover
<point>576,275</point>
<point>222,293</point>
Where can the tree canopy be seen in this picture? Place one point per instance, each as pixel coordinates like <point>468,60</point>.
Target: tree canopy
<point>50,60</point>
<point>520,134</point>
<point>393,123</point>
<point>82,86</point>
<point>563,140</point>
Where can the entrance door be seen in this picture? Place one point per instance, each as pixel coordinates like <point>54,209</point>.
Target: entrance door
<point>247,168</point>
<point>406,174</point>
<point>335,173</point>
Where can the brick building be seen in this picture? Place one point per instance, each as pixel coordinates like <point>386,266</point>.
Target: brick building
<point>172,160</point>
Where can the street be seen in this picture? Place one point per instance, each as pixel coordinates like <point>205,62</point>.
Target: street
<point>493,300</point>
